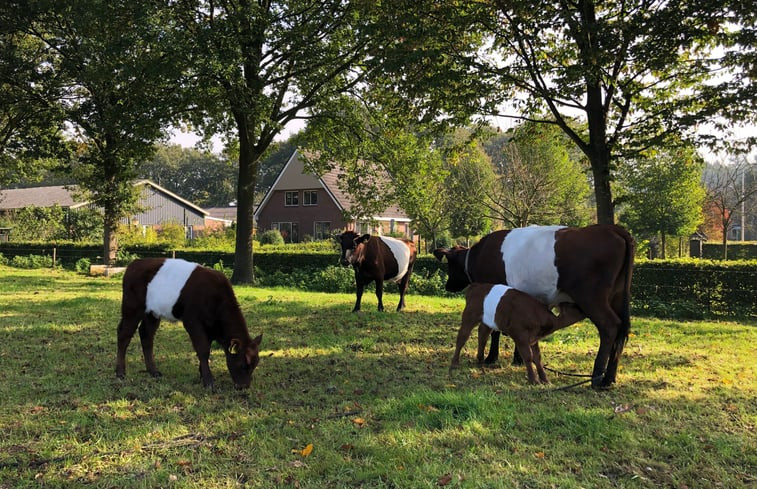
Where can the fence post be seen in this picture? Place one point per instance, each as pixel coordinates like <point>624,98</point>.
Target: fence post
<point>54,251</point>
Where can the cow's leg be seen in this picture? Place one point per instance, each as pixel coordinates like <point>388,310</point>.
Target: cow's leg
<point>147,331</point>
<point>470,319</point>
<point>359,293</point>
<point>201,344</point>
<point>536,352</point>
<point>483,334</point>
<point>403,289</point>
<point>528,358</point>
<point>380,294</point>
<point>608,326</point>
<point>126,329</point>
<point>493,350</point>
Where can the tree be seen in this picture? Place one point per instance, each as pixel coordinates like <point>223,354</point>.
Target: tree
<point>662,193</point>
<point>31,123</point>
<point>536,180</point>
<point>636,72</point>
<point>470,176</point>
<point>121,92</point>
<point>255,67</point>
<point>727,189</point>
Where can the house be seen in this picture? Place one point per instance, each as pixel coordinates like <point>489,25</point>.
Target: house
<point>158,206</point>
<point>301,204</point>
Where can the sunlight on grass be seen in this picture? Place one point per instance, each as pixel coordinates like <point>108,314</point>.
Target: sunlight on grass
<point>369,393</point>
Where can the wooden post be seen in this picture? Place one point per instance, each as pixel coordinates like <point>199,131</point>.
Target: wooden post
<point>54,252</point>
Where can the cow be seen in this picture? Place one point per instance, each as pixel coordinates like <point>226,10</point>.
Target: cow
<point>203,299</point>
<point>590,266</point>
<point>376,259</point>
<point>507,310</point>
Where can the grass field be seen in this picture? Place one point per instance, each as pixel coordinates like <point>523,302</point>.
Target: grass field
<point>360,400</point>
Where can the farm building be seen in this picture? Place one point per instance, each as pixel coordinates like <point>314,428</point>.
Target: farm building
<point>158,206</point>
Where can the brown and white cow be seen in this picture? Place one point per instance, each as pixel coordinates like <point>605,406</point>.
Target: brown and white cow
<point>499,308</point>
<point>203,299</point>
<point>590,266</point>
<point>376,259</point>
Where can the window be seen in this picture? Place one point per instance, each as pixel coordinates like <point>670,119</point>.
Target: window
<point>310,197</point>
<point>291,198</point>
<point>289,231</point>
<point>321,229</point>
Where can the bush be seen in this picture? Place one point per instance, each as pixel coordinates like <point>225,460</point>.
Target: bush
<point>3,260</point>
<point>82,265</point>
<point>123,257</point>
<point>271,237</point>
<point>32,261</point>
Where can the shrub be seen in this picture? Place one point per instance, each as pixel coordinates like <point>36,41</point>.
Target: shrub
<point>172,234</point>
<point>82,265</point>
<point>123,257</point>
<point>271,237</point>
<point>32,261</point>
<point>3,260</point>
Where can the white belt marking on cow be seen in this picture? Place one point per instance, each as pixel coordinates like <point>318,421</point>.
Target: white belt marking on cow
<point>529,256</point>
<point>164,289</point>
<point>491,301</point>
<point>401,253</point>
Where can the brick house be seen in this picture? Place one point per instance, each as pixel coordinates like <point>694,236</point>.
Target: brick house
<point>301,204</point>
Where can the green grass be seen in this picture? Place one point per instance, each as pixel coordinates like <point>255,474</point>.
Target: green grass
<point>371,392</point>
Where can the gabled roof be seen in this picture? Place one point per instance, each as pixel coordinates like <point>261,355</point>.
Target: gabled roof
<point>64,196</point>
<point>330,183</point>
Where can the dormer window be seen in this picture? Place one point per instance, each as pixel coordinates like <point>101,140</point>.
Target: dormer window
<point>291,199</point>
<point>310,197</point>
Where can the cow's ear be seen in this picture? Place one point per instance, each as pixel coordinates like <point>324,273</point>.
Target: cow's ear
<point>256,341</point>
<point>362,239</point>
<point>234,346</point>
<point>440,253</point>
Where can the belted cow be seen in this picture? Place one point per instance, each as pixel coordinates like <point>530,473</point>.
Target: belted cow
<point>590,266</point>
<point>202,298</point>
<point>376,259</point>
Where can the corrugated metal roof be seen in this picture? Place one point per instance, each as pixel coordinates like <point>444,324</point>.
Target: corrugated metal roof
<point>38,196</point>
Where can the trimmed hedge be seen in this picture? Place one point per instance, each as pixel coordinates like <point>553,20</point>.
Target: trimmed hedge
<point>736,251</point>
<point>684,289</point>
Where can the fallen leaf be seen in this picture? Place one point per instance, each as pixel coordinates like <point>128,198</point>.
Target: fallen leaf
<point>347,447</point>
<point>307,450</point>
<point>622,408</point>
<point>359,421</point>
<point>297,463</point>
<point>444,480</point>
<point>539,454</point>
<point>428,409</point>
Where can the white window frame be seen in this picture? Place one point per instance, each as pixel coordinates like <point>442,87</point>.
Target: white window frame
<point>295,198</point>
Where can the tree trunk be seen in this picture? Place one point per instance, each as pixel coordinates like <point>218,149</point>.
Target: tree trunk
<point>110,238</point>
<point>663,242</point>
<point>244,272</point>
<point>725,241</point>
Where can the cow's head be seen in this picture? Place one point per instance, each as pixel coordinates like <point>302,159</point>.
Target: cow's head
<point>242,357</point>
<point>349,241</point>
<point>457,279</point>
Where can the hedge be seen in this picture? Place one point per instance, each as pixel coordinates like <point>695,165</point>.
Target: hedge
<point>736,251</point>
<point>684,289</point>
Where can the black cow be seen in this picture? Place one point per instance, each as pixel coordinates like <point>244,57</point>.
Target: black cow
<point>590,266</point>
<point>376,259</point>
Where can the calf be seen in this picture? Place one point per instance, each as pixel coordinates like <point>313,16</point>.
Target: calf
<point>376,259</point>
<point>157,288</point>
<point>516,314</point>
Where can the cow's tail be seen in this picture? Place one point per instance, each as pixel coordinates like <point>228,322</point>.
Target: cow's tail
<point>625,312</point>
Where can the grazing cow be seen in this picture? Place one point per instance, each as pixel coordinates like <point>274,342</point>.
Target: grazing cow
<point>158,288</point>
<point>590,266</point>
<point>516,314</point>
<point>375,259</point>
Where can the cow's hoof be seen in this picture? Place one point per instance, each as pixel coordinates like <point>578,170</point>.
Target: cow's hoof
<point>121,376</point>
<point>601,386</point>
<point>156,374</point>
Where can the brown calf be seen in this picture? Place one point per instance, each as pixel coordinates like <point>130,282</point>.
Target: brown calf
<point>155,288</point>
<point>516,314</point>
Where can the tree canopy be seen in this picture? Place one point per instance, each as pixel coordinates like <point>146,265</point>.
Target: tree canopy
<point>634,72</point>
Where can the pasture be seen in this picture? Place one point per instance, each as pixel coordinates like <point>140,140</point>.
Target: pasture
<point>360,400</point>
